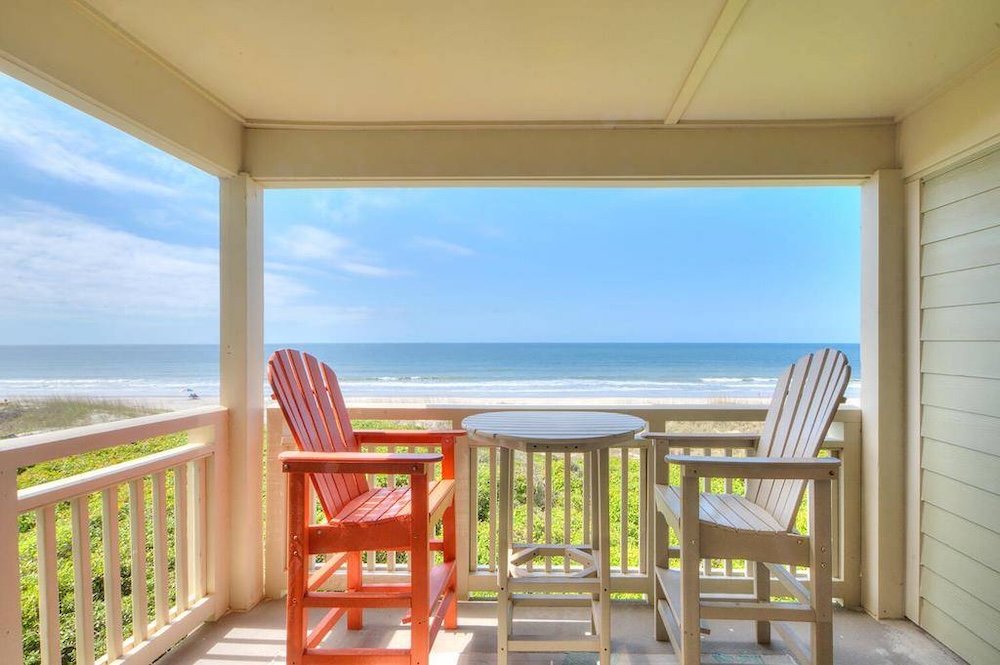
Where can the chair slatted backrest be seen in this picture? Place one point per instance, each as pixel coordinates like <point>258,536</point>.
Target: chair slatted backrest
<point>314,408</point>
<point>801,411</point>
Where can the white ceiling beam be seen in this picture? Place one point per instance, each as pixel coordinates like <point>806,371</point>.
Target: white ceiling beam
<point>954,126</point>
<point>754,152</point>
<point>64,49</point>
<point>710,49</point>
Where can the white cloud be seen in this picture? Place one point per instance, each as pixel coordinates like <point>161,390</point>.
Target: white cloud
<point>63,264</point>
<point>42,141</point>
<point>319,316</point>
<point>308,243</point>
<point>366,270</point>
<point>350,206</point>
<point>57,268</point>
<point>284,291</point>
<point>436,244</point>
<point>318,246</point>
<point>295,312</point>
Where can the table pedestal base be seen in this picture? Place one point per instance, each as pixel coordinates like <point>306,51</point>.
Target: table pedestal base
<point>586,584</point>
<point>589,582</point>
<point>580,587</point>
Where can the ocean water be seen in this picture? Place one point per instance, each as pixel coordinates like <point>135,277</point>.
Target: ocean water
<point>705,371</point>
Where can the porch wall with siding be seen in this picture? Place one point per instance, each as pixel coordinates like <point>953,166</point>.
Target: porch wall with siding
<point>959,593</point>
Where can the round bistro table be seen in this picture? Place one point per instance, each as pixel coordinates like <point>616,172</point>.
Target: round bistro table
<point>588,432</point>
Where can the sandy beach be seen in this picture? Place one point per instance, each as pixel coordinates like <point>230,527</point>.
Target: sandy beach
<point>171,403</point>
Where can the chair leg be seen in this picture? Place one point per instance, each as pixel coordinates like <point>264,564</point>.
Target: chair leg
<point>594,485</point>
<point>504,611</point>
<point>420,559</point>
<point>420,636</point>
<point>822,643</point>
<point>690,538</point>
<point>661,559</point>
<point>295,619</point>
<point>659,472</point>
<point>355,617</point>
<point>762,590</point>
<point>450,550</point>
<point>820,571</point>
<point>604,473</point>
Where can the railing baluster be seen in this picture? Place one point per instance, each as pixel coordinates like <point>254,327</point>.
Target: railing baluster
<point>161,598</point>
<point>83,594</point>
<point>623,497</point>
<point>587,532</point>
<point>837,487</point>
<point>48,586</point>
<point>474,508</point>
<point>728,563</point>
<point>197,489</point>
<point>390,557</point>
<point>312,508</point>
<point>181,537</point>
<point>706,487</point>
<point>529,520</point>
<point>643,510</point>
<point>567,522</point>
<point>137,543</point>
<point>493,510</point>
<point>548,507</point>
<point>112,572</point>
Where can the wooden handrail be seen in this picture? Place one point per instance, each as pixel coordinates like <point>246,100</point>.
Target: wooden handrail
<point>38,448</point>
<point>82,484</point>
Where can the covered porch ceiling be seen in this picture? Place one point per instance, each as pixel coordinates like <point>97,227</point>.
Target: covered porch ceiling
<point>292,92</point>
<point>651,61</point>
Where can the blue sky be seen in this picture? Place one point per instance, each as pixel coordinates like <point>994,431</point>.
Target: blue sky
<point>106,240</point>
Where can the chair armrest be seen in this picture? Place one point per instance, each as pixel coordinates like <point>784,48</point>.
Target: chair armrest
<point>411,438</point>
<point>814,468</point>
<point>704,439</point>
<point>406,437</point>
<point>411,464</point>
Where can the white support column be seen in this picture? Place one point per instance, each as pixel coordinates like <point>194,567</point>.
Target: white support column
<point>242,374</point>
<point>914,410</point>
<point>10,577</point>
<point>883,393</point>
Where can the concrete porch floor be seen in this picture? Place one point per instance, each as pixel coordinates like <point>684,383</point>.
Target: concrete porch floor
<point>257,637</point>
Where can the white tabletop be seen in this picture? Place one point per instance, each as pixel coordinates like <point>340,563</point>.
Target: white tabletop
<point>553,430</point>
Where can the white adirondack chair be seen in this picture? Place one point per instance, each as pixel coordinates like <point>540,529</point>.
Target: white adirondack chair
<point>760,526</point>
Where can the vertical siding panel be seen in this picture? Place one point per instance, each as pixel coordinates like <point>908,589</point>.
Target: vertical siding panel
<point>960,290</point>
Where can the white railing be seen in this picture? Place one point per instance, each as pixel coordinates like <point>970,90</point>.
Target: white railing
<point>542,505</point>
<point>177,495</point>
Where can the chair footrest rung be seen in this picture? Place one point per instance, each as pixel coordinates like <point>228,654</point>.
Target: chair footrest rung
<point>550,600</point>
<point>729,597</point>
<point>551,646</point>
<point>356,656</point>
<point>356,599</point>
<point>758,611</point>
<point>554,584</point>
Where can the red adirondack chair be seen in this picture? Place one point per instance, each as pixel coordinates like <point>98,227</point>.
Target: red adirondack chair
<point>361,518</point>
